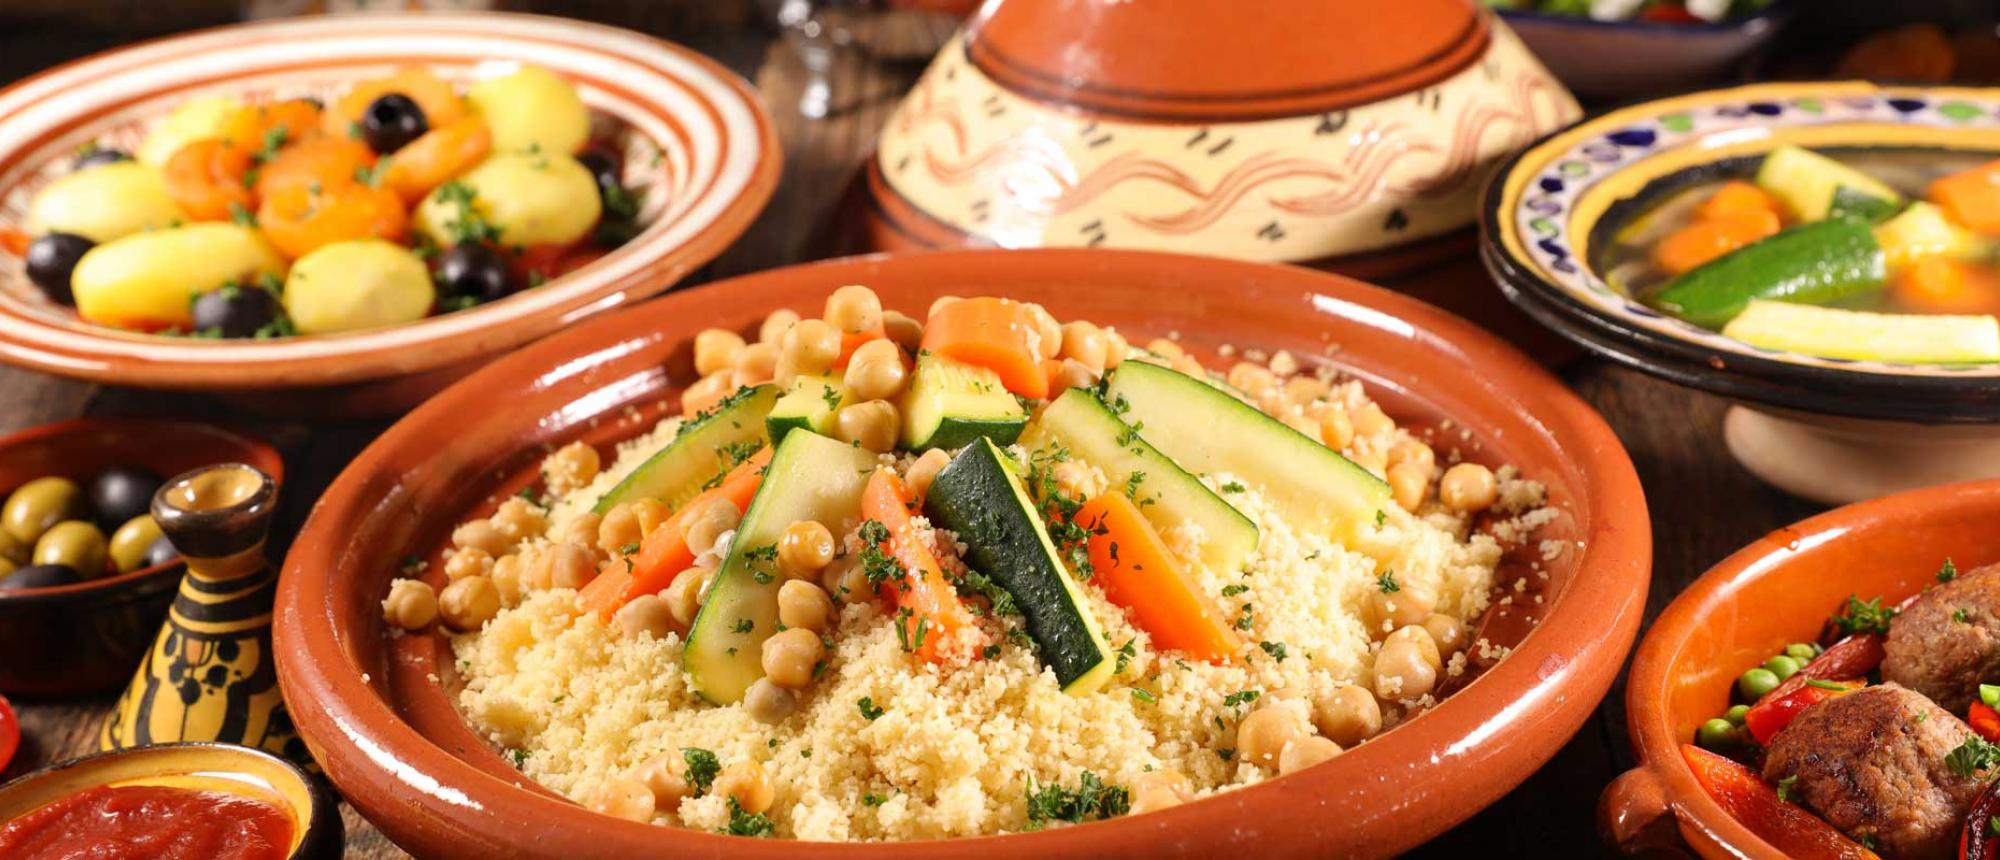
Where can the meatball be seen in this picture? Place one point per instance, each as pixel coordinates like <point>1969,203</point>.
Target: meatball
<point>1872,763</point>
<point>1947,642</point>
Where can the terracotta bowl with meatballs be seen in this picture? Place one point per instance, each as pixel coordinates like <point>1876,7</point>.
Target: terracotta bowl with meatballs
<point>1032,653</point>
<point>1827,691</point>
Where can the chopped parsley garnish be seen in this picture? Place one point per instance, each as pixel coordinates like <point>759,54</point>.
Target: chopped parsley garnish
<point>1246,616</point>
<point>1387,582</point>
<point>274,139</point>
<point>910,639</point>
<point>744,625</point>
<point>831,395</point>
<point>1233,487</point>
<point>1235,589</point>
<point>1132,483</point>
<point>767,552</point>
<point>1786,788</point>
<point>879,566</point>
<point>520,757</point>
<point>1144,695</point>
<point>1975,755</point>
<point>1864,616</point>
<point>1275,649</point>
<point>1826,685</point>
<point>469,226</point>
<point>1058,510</point>
<point>1960,615</point>
<point>1240,698</point>
<point>868,709</point>
<point>743,823</point>
<point>702,766</point>
<point>1948,572</point>
<point>738,451</point>
<point>1091,798</point>
<point>976,583</point>
<point>1125,654</point>
<point>1381,517</point>
<point>241,216</point>
<point>873,799</point>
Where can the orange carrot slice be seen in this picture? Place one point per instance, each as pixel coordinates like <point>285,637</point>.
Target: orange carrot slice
<point>1972,197</point>
<point>1941,285</point>
<point>1736,197</point>
<point>997,334</point>
<point>664,553</point>
<point>1132,564</point>
<point>937,618</point>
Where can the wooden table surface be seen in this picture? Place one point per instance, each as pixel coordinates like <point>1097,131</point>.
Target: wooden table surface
<point>1703,505</point>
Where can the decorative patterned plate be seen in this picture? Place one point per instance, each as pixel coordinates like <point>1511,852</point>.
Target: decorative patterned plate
<point>698,145</point>
<point>1546,209</point>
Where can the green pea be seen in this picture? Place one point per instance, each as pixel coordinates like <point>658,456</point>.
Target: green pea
<point>1736,714</point>
<point>1716,735</point>
<point>1782,666</point>
<point>1802,651</point>
<point>1756,682</point>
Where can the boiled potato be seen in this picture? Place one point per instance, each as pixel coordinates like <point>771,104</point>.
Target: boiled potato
<point>357,284</point>
<point>531,199</point>
<point>198,118</point>
<point>104,202</point>
<point>147,281</point>
<point>532,110</point>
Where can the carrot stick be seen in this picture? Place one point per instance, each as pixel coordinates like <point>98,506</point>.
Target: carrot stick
<point>1941,285</point>
<point>922,589</point>
<point>1137,572</point>
<point>1755,804</point>
<point>997,334</point>
<point>1736,197</point>
<point>1972,197</point>
<point>1688,248</point>
<point>664,552</point>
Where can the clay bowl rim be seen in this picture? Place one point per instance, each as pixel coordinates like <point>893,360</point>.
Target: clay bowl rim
<point>315,824</point>
<point>351,357</point>
<point>1707,361</point>
<point>1563,667</point>
<point>1656,662</point>
<point>263,457</point>
<point>1767,16</point>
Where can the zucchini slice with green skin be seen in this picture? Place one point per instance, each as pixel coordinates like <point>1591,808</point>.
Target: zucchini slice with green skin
<point>808,405</point>
<point>1864,336</point>
<point>1849,203</point>
<point>1811,264</point>
<point>706,446</point>
<point>979,496</point>
<point>810,477</point>
<point>1207,431</point>
<point>1166,494</point>
<point>950,403</point>
<point>1808,182</point>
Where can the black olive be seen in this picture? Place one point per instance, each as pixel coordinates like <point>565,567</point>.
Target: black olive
<point>101,155</point>
<point>472,269</point>
<point>40,576</point>
<point>391,122</point>
<point>51,261</point>
<point>603,166</point>
<point>121,493</point>
<point>160,552</point>
<point>235,311</point>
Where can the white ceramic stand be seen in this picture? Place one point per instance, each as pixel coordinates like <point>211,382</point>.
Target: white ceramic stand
<point>1835,461</point>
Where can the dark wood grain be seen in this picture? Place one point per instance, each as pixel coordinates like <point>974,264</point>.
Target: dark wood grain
<point>1703,505</point>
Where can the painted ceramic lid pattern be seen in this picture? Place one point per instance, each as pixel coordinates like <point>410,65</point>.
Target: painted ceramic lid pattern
<point>698,147</point>
<point>988,164</point>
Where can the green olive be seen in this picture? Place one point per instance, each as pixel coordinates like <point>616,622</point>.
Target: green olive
<point>1756,682</point>
<point>13,549</point>
<point>75,543</point>
<point>39,504</point>
<point>1736,714</point>
<point>131,541</point>
<point>1716,735</point>
<point>1782,666</point>
<point>1802,651</point>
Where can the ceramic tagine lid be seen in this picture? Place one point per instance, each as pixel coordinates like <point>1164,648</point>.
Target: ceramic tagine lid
<point>1294,130</point>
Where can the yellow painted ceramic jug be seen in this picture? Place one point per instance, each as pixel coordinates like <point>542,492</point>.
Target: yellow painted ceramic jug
<point>210,675</point>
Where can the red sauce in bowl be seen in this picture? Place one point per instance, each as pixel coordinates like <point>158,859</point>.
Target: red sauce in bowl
<point>149,822</point>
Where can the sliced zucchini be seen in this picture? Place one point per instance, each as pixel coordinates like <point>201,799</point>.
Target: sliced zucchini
<point>950,403</point>
<point>1923,229</point>
<point>707,445</point>
<point>979,496</point>
<point>1166,494</point>
<point>810,477</point>
<point>1807,182</point>
<point>1817,263</point>
<point>1865,336</point>
<point>808,405</point>
<point>1205,430</point>
<point>1849,203</point>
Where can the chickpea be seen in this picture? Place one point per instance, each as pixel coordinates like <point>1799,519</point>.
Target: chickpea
<point>1335,430</point>
<point>804,606</point>
<point>715,349</point>
<point>1409,604</point>
<point>854,309</point>
<point>773,329</point>
<point>468,603</point>
<point>468,562</point>
<point>940,303</point>
<point>1370,420</point>
<point>1252,379</point>
<point>1348,715</point>
<point>582,528</point>
<point>769,703</point>
<point>1165,779</point>
<point>746,783</point>
<point>872,425</point>
<point>519,520</point>
<point>571,467</point>
<point>1302,390</point>
<point>411,605</point>
<point>646,614</point>
<point>1306,752</point>
<point>1402,673</point>
<point>706,392</point>
<point>925,470</point>
<point>784,374</point>
<point>876,371</point>
<point>1409,483</point>
<point>845,579</point>
<point>1468,487</point>
<point>481,535</point>
<point>789,657</point>
<point>664,776</point>
<point>571,565</point>
<point>535,564</point>
<point>707,524</point>
<point>1188,365</point>
<point>1412,451</point>
<point>1264,733</point>
<point>805,546</point>
<point>683,596</point>
<point>1115,348</point>
<point>1419,637</point>
<point>1146,800</point>
<point>812,346</point>
<point>628,523</point>
<point>755,365</point>
<point>508,574</point>
<point>1048,332</point>
<point>1449,633</point>
<point>1086,343</point>
<point>623,797</point>
<point>1070,373</point>
<point>1165,348</point>
<point>903,330</point>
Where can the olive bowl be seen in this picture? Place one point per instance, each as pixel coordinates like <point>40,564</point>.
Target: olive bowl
<point>86,637</point>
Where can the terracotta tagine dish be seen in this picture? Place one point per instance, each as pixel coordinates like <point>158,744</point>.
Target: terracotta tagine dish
<point>1185,125</point>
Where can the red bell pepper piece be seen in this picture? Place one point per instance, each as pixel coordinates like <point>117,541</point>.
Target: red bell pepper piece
<point>1979,839</point>
<point>1755,804</point>
<point>1669,13</point>
<point>1851,657</point>
<point>1772,714</point>
<point>1984,721</point>
<point>10,733</point>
